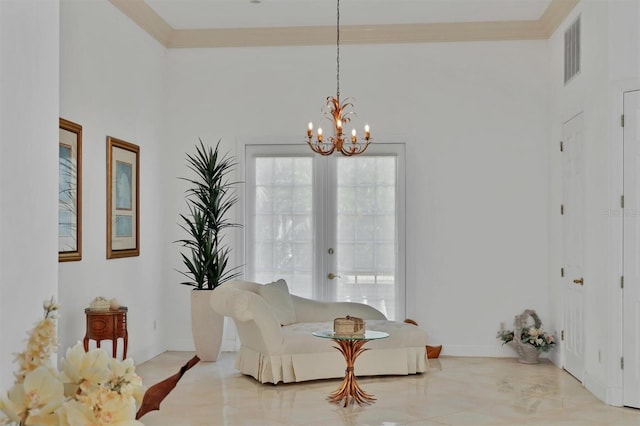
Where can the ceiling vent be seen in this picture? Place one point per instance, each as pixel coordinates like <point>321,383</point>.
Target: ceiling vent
<point>572,51</point>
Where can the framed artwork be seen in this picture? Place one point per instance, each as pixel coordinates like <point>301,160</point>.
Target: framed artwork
<point>123,196</point>
<point>69,191</point>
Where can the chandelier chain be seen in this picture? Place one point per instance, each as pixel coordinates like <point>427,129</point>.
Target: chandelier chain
<point>338,51</point>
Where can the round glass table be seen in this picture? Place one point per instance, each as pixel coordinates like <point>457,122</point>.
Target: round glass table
<point>351,346</point>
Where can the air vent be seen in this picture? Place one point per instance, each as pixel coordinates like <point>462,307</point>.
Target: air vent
<point>572,51</point>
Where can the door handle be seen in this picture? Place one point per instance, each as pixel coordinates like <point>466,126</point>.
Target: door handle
<point>579,281</point>
<point>332,276</point>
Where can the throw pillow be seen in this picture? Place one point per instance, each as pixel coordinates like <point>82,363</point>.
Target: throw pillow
<point>279,299</point>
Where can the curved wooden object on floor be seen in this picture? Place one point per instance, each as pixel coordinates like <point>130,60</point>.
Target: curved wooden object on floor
<point>156,393</point>
<point>350,391</point>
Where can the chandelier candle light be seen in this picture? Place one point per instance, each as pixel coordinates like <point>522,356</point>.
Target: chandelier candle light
<point>340,114</point>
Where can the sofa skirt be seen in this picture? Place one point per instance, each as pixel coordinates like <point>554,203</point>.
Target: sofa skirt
<point>328,363</point>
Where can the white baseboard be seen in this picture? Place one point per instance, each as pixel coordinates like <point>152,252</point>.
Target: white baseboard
<point>228,345</point>
<point>181,345</point>
<point>145,354</point>
<point>614,396</point>
<point>490,351</point>
<point>554,357</point>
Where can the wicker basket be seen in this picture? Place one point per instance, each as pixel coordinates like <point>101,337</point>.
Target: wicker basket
<point>527,354</point>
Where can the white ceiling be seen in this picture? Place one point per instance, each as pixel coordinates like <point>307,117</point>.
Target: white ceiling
<point>200,14</point>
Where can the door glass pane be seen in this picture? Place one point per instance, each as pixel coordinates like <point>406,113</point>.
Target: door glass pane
<point>366,235</point>
<point>283,218</point>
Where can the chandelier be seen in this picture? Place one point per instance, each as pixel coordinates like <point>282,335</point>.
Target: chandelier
<point>339,114</point>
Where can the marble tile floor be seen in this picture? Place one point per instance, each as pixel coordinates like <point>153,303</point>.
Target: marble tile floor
<point>455,391</point>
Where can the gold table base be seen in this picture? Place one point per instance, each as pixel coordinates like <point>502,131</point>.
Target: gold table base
<point>350,391</point>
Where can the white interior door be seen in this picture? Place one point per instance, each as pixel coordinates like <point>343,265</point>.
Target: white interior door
<point>573,245</point>
<point>631,251</point>
<point>330,226</point>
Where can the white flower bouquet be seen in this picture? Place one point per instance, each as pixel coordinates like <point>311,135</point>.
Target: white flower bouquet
<point>90,388</point>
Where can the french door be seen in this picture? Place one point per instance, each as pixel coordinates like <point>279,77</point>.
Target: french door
<point>332,227</point>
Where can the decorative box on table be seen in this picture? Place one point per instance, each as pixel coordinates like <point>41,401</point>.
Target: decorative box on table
<point>348,326</point>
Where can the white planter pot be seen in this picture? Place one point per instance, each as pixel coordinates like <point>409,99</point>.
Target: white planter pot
<point>206,326</point>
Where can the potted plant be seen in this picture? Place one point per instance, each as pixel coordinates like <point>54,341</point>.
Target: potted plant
<point>209,199</point>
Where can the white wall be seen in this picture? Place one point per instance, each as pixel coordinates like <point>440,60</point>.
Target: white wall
<point>610,65</point>
<point>475,120</point>
<point>112,83</point>
<point>481,122</point>
<point>28,169</point>
<point>475,117</point>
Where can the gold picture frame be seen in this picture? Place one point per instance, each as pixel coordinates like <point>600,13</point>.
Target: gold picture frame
<point>69,191</point>
<point>123,199</point>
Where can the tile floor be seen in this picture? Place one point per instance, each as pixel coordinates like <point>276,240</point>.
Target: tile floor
<point>455,391</point>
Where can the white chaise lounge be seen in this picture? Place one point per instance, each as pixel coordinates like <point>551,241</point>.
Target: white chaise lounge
<point>275,329</point>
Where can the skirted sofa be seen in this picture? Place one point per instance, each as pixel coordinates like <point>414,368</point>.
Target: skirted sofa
<point>275,330</point>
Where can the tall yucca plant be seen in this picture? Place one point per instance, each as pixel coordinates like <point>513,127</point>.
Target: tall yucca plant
<point>209,199</point>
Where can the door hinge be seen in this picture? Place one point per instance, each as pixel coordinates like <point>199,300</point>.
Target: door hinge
<point>562,335</point>
<point>622,201</point>
<point>562,272</point>
<point>561,208</point>
<point>622,120</point>
<point>561,146</point>
<point>622,281</point>
<point>621,363</point>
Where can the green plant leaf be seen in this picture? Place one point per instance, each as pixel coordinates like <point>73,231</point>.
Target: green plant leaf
<point>210,199</point>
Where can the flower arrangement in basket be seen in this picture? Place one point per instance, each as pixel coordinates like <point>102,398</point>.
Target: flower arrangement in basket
<point>90,388</point>
<point>527,340</point>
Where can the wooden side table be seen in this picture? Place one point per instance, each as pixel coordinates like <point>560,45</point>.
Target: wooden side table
<point>107,325</point>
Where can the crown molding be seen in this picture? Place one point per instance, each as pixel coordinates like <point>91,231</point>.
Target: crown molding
<point>145,17</point>
<point>556,12</point>
<point>358,34</point>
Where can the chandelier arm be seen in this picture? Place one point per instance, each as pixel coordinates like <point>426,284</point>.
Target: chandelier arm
<point>318,147</point>
<point>356,148</point>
